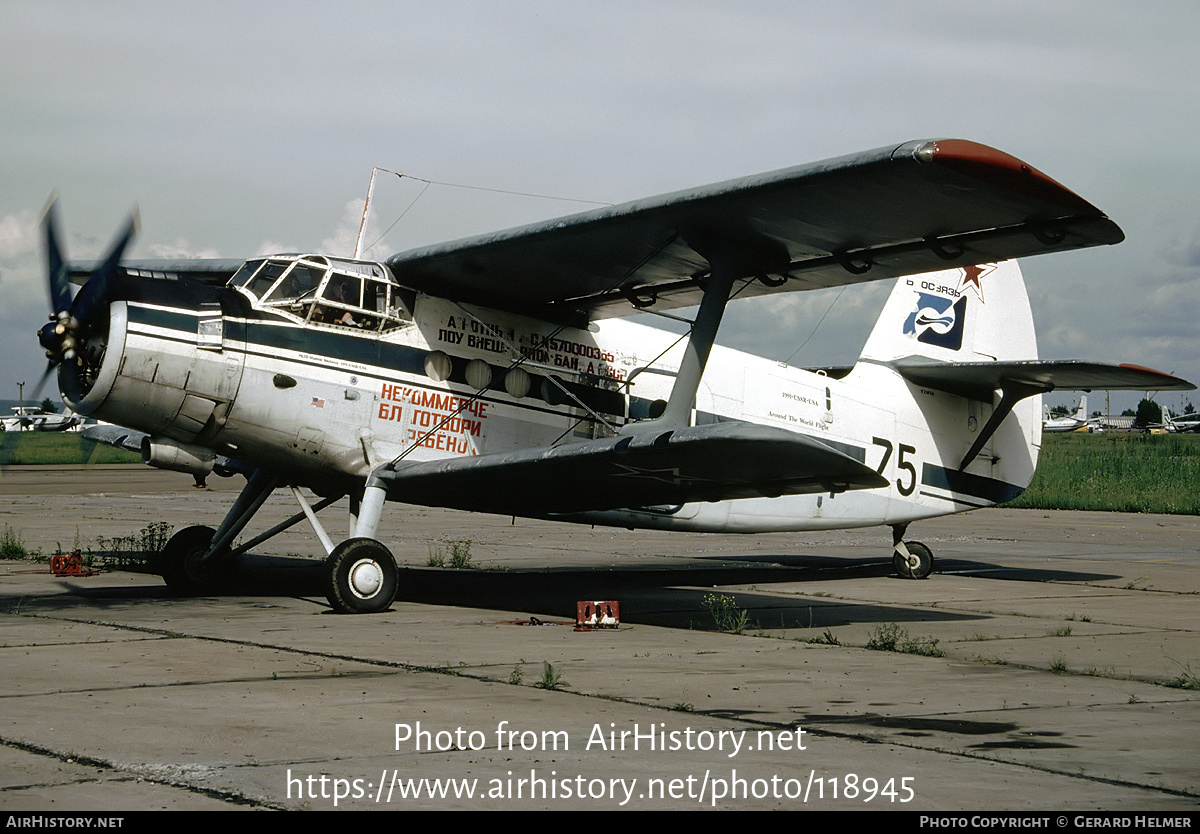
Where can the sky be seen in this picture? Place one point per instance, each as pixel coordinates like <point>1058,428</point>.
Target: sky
<point>243,128</point>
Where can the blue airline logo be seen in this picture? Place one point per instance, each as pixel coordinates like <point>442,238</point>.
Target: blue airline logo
<point>937,320</point>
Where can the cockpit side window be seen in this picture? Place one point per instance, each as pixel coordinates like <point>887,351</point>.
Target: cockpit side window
<point>245,273</point>
<point>265,278</point>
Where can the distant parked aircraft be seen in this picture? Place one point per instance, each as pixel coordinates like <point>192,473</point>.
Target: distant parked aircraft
<point>1077,421</point>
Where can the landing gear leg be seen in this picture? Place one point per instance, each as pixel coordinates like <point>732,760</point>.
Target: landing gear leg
<point>912,560</point>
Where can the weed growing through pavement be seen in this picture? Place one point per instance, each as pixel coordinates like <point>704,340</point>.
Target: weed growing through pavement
<point>454,553</point>
<point>12,545</point>
<point>825,639</point>
<point>889,637</point>
<point>551,677</point>
<point>1186,679</point>
<point>134,550</point>
<point>726,615</point>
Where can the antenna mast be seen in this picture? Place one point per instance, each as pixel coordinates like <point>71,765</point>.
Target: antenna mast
<point>362,228</point>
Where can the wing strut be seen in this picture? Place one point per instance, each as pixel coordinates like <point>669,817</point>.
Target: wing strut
<point>704,332</point>
<point>1011,393</point>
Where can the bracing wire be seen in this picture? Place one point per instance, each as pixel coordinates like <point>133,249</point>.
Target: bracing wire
<point>471,188</point>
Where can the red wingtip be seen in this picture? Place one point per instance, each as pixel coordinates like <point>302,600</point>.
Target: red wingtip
<point>990,165</point>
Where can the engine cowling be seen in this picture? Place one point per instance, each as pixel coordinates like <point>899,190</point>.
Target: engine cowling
<point>165,453</point>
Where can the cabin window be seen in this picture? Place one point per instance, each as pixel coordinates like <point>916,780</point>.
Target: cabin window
<point>300,283</point>
<point>366,302</point>
<point>341,302</point>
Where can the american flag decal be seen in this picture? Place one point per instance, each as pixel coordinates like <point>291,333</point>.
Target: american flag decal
<point>318,402</point>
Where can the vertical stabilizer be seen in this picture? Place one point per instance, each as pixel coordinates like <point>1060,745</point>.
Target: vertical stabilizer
<point>975,314</point>
<point>970,314</point>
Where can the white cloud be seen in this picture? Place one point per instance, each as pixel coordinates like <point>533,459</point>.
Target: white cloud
<point>345,236</point>
<point>18,234</point>
<point>181,248</point>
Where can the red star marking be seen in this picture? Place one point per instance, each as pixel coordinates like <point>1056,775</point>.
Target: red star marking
<point>971,275</point>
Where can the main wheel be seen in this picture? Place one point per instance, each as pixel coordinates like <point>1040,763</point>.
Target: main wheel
<point>362,577</point>
<point>919,563</point>
<point>180,566</point>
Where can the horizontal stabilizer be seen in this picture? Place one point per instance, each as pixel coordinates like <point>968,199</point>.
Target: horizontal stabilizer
<point>701,463</point>
<point>1020,379</point>
<point>978,380</point>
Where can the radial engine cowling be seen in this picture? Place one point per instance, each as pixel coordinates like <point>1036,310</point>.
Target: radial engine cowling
<point>178,457</point>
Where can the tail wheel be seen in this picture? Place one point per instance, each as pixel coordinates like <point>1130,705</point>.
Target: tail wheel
<point>917,564</point>
<point>180,565</point>
<point>362,577</point>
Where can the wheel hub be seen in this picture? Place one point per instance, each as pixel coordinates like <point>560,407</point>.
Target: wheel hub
<point>366,578</point>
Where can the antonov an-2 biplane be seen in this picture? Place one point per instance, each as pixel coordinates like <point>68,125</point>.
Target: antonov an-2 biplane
<point>495,373</point>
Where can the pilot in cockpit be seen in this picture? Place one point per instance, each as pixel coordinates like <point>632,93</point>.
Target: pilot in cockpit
<point>339,291</point>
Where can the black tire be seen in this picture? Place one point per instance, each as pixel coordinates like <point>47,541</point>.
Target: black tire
<point>179,562</point>
<point>919,566</point>
<point>362,577</point>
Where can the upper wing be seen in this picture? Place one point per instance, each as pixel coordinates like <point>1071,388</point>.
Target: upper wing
<point>214,271</point>
<point>913,208</point>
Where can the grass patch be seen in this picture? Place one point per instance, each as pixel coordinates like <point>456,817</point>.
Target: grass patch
<point>1139,473</point>
<point>132,551</point>
<point>12,545</point>
<point>39,448</point>
<point>1106,672</point>
<point>826,639</point>
<point>453,553</point>
<point>1186,679</point>
<point>891,638</point>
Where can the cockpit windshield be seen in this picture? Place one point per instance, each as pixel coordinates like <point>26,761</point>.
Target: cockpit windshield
<point>329,291</point>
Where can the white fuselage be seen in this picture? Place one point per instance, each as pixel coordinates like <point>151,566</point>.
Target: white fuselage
<point>323,404</point>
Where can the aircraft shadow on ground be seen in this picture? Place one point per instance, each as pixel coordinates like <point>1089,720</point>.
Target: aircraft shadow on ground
<point>672,597</point>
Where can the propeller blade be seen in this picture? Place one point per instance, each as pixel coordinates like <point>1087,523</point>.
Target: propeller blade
<point>37,390</point>
<point>117,250</point>
<point>96,292</point>
<point>56,266</point>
